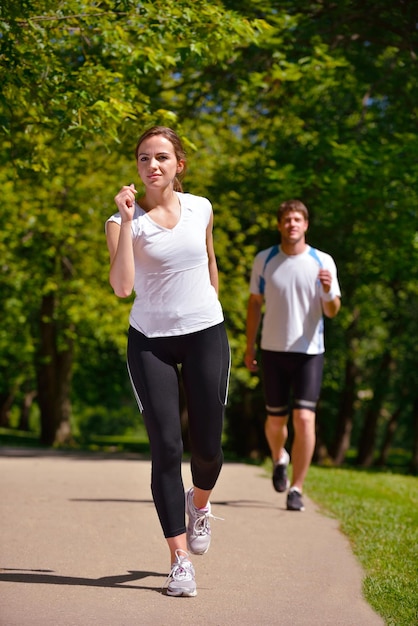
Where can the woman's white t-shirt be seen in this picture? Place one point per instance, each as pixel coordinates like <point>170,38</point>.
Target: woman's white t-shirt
<point>173,292</point>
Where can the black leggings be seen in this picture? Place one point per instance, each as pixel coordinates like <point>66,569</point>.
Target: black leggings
<point>153,366</point>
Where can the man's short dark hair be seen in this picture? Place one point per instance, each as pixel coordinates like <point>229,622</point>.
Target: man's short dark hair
<point>292,205</point>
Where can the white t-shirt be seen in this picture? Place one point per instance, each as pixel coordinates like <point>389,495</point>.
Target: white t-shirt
<point>173,292</point>
<point>293,320</point>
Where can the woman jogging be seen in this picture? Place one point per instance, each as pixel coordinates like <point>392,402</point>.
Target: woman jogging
<point>161,247</point>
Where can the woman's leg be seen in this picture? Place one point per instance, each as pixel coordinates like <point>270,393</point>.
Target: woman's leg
<point>205,374</point>
<point>176,543</point>
<point>155,383</point>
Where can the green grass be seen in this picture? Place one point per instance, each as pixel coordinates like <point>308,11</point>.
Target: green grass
<point>13,437</point>
<point>378,512</point>
<point>137,443</point>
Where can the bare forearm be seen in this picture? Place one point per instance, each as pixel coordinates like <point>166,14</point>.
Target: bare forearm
<point>252,326</point>
<point>122,269</point>
<point>330,303</point>
<point>331,307</point>
<point>213,275</point>
<point>253,323</point>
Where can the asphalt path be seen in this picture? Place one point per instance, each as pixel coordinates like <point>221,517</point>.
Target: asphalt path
<point>81,545</point>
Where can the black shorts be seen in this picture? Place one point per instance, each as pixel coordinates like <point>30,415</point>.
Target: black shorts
<point>286,373</point>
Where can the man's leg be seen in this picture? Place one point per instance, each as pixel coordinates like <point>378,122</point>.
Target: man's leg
<point>276,432</point>
<point>276,435</point>
<point>303,445</point>
<point>307,387</point>
<point>276,382</point>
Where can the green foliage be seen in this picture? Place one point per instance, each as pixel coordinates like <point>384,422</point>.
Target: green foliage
<point>320,118</point>
<point>99,420</point>
<point>379,514</point>
<point>302,99</point>
<point>76,72</point>
<point>78,82</point>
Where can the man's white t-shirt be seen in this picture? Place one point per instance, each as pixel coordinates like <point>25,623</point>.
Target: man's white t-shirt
<point>173,292</point>
<point>293,319</point>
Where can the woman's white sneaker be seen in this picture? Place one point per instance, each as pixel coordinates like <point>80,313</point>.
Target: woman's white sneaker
<point>198,527</point>
<point>181,580</point>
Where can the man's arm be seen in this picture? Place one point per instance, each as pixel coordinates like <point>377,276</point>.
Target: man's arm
<point>255,304</point>
<point>331,307</point>
<point>330,303</point>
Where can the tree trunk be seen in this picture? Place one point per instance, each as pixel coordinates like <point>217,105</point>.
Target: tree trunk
<point>368,436</point>
<point>25,409</point>
<point>388,440</point>
<point>54,373</point>
<point>348,397</point>
<point>6,401</point>
<point>345,414</point>
<point>321,455</point>
<point>414,460</point>
<point>245,425</point>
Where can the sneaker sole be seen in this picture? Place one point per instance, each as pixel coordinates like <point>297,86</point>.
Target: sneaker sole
<point>290,509</point>
<point>282,488</point>
<point>196,553</point>
<point>182,594</point>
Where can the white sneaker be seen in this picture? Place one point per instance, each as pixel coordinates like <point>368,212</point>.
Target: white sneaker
<point>181,579</point>
<point>198,528</point>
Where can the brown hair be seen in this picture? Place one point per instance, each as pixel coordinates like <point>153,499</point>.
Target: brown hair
<point>292,205</point>
<point>179,151</point>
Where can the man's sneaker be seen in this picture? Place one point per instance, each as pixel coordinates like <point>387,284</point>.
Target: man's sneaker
<point>280,479</point>
<point>181,579</point>
<point>294,500</point>
<point>198,527</point>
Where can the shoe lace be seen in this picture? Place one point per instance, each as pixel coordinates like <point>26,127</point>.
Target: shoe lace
<point>182,569</point>
<point>201,523</point>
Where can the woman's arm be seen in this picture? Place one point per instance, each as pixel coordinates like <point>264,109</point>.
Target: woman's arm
<point>122,268</point>
<point>213,267</point>
<point>119,243</point>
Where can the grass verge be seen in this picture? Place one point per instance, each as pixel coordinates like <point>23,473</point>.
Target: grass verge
<point>378,512</point>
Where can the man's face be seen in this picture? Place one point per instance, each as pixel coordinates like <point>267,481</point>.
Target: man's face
<point>292,227</point>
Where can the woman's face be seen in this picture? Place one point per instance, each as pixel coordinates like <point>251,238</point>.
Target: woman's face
<point>157,162</point>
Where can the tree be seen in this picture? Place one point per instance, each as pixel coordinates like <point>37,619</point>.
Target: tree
<point>315,100</point>
<point>75,87</point>
<point>323,108</point>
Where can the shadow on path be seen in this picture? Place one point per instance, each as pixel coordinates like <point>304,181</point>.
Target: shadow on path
<point>44,578</point>
<point>253,504</point>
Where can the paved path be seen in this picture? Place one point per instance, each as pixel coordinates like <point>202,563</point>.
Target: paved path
<point>80,545</point>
